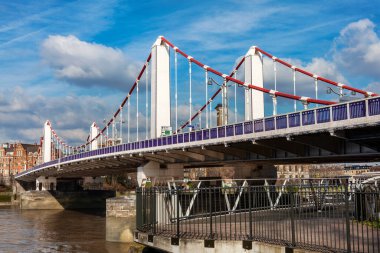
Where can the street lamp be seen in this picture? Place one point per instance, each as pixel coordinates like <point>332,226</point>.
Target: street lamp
<point>9,166</point>
<point>224,87</point>
<point>342,96</point>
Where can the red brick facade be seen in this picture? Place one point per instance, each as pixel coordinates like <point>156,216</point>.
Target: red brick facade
<point>17,157</point>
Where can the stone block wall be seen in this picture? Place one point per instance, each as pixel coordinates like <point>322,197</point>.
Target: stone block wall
<point>121,218</point>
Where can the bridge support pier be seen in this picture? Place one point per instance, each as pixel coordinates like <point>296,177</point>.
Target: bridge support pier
<point>253,74</point>
<point>46,183</point>
<point>46,146</point>
<point>92,183</point>
<point>93,133</point>
<point>153,171</point>
<point>160,88</point>
<point>121,218</point>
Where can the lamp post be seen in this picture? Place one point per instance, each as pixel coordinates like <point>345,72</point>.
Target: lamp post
<point>107,139</point>
<point>9,166</point>
<point>224,87</point>
<point>342,96</point>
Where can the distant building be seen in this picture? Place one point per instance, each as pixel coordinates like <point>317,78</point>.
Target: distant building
<point>285,171</point>
<point>356,170</point>
<point>17,157</point>
<point>296,171</point>
<point>221,116</point>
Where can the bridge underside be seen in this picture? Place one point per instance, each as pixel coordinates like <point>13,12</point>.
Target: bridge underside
<point>344,145</point>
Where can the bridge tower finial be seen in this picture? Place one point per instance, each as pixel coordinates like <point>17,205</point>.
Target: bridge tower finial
<point>158,41</point>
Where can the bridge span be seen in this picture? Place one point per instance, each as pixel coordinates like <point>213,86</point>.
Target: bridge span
<point>346,132</point>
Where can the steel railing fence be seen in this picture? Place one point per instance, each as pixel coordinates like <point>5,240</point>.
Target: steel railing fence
<point>338,218</point>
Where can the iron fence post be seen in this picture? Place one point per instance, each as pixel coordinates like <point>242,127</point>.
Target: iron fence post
<point>154,215</point>
<point>151,211</point>
<point>210,203</point>
<point>347,214</point>
<point>139,209</point>
<point>177,202</point>
<point>250,212</point>
<point>292,217</point>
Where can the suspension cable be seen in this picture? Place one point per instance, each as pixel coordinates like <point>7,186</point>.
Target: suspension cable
<point>101,140</point>
<point>209,102</point>
<point>248,85</point>
<point>275,74</point>
<point>107,144</point>
<point>146,101</point>
<point>176,88</point>
<point>316,87</point>
<point>113,131</point>
<point>225,102</point>
<point>137,111</point>
<point>206,97</point>
<point>294,88</point>
<point>121,125</point>
<point>190,95</point>
<point>129,124</point>
<point>235,103</point>
<point>344,86</point>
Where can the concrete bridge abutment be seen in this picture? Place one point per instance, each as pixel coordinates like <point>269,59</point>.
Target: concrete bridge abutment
<point>50,193</point>
<point>46,183</point>
<point>154,171</point>
<point>121,218</point>
<point>58,200</point>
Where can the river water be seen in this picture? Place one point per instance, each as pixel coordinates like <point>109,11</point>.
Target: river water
<point>54,231</point>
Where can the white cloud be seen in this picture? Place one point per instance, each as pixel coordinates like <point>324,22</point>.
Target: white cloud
<point>374,87</point>
<point>88,64</point>
<point>357,49</point>
<point>22,115</point>
<point>304,84</point>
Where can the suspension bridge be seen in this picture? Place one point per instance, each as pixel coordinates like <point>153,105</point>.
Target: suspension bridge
<point>166,121</point>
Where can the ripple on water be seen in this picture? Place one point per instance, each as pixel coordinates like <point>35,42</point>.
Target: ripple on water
<point>53,231</point>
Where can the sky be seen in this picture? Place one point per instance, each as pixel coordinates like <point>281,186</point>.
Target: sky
<point>73,62</point>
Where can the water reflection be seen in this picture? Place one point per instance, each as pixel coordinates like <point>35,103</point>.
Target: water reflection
<point>54,231</point>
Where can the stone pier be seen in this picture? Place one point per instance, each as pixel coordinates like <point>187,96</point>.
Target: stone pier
<point>65,200</point>
<point>121,218</point>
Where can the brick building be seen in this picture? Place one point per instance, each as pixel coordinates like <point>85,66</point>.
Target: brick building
<point>16,157</point>
<point>322,170</point>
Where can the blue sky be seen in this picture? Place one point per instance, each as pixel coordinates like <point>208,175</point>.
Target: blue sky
<point>72,61</point>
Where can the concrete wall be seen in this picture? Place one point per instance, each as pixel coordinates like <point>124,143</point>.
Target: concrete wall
<point>46,183</point>
<point>65,200</point>
<point>251,171</point>
<point>121,218</point>
<point>198,246</point>
<point>19,187</point>
<point>152,170</point>
<point>5,180</point>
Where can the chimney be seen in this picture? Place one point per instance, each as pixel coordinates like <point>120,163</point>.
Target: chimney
<point>219,114</point>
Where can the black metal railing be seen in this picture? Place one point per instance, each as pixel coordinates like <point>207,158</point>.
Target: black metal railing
<point>338,218</point>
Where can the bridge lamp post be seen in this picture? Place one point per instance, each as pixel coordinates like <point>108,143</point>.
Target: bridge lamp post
<point>342,96</point>
<point>121,121</point>
<point>224,87</point>
<point>121,127</point>
<point>107,139</point>
<point>10,160</point>
<point>120,132</point>
<point>113,131</point>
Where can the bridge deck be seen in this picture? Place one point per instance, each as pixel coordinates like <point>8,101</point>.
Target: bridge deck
<point>346,131</point>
